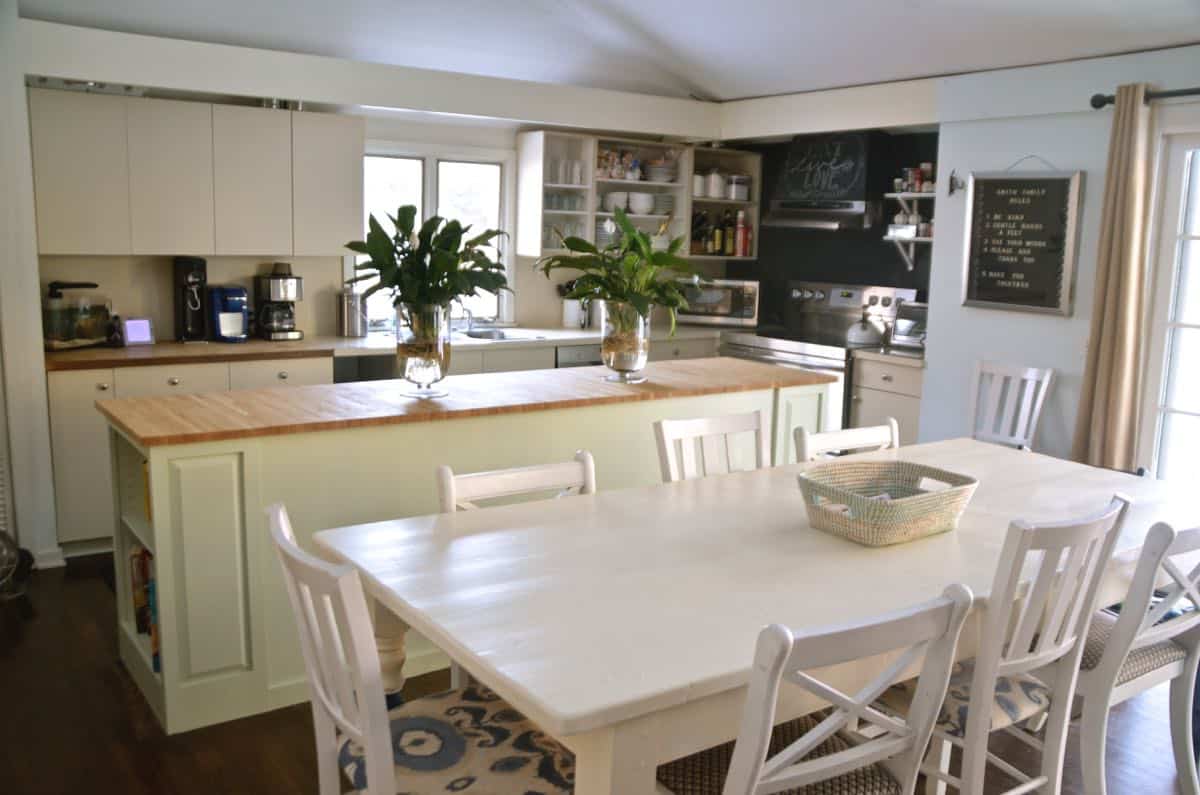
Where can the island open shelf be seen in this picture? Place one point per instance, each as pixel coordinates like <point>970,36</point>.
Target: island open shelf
<point>194,474</point>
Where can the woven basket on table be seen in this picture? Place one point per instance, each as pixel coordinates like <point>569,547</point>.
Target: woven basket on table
<point>843,498</point>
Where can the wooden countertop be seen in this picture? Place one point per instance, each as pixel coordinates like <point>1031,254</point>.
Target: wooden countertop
<point>375,344</point>
<point>184,419</point>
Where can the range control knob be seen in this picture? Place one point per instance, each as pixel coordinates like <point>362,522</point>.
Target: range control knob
<point>886,301</point>
<point>819,295</point>
<point>796,295</point>
<point>808,294</point>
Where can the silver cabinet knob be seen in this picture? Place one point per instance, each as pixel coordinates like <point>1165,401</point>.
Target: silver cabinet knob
<point>173,381</point>
<point>856,398</point>
<point>282,375</point>
<point>102,387</point>
<point>887,378</point>
<point>676,353</point>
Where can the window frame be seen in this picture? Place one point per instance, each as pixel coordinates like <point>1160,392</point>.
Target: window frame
<point>431,155</point>
<point>1177,127</point>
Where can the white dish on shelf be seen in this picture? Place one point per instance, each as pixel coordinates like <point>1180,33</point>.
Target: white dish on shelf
<point>641,203</point>
<point>616,199</point>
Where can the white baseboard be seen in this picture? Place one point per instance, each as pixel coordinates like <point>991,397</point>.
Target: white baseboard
<point>49,558</point>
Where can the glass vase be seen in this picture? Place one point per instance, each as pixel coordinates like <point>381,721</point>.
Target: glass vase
<point>423,347</point>
<point>625,345</point>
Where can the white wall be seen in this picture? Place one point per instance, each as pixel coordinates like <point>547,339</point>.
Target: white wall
<point>20,311</point>
<point>989,121</point>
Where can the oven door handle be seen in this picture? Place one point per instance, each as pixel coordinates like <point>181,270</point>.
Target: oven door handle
<point>784,362</point>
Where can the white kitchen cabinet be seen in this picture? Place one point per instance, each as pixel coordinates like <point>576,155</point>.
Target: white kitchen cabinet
<point>252,180</point>
<point>887,386</point>
<point>500,360</point>
<point>281,372</point>
<point>327,182</point>
<point>170,176</point>
<point>465,362</point>
<point>683,349</point>
<point>81,172</point>
<point>172,379</point>
<point>83,493</point>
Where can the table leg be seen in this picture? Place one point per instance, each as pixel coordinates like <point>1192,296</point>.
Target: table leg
<point>614,761</point>
<point>389,639</point>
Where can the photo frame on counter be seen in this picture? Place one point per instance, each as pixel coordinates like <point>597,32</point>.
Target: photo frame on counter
<point>1020,241</point>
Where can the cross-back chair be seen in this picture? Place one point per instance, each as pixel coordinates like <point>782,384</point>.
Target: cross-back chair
<point>1154,639</point>
<point>816,749</point>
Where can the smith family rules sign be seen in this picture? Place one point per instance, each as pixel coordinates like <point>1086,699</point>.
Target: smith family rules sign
<point>1021,240</point>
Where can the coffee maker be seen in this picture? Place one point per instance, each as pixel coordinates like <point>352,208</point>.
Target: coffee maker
<point>191,299</point>
<point>275,297</point>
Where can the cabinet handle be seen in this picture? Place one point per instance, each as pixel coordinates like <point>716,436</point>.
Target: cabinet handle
<point>676,352</point>
<point>856,398</point>
<point>173,381</point>
<point>887,378</point>
<point>282,375</point>
<point>102,387</point>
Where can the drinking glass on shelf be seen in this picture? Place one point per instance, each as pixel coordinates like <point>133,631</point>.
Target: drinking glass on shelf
<point>576,172</point>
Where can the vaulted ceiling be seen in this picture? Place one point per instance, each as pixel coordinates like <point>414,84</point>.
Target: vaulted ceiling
<point>711,50</point>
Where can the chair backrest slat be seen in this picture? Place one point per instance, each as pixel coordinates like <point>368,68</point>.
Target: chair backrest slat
<point>704,446</point>
<point>930,630</point>
<point>338,644</point>
<point>1006,402</point>
<point>811,446</point>
<point>460,492</point>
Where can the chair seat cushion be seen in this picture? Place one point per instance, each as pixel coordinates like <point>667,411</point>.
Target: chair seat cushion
<point>468,740</point>
<point>704,773</point>
<point>1139,661</point>
<point>1018,698</point>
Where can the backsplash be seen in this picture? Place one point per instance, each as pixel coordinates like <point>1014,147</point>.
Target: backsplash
<point>847,256</point>
<point>142,286</point>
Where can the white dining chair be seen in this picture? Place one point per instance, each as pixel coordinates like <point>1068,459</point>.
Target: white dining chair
<point>422,746</point>
<point>1150,642</point>
<point>811,446</point>
<point>1031,640</point>
<point>1006,402</point>
<point>461,492</point>
<point>816,750</point>
<point>701,447</point>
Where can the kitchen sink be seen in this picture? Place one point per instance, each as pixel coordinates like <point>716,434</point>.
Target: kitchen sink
<point>486,334</point>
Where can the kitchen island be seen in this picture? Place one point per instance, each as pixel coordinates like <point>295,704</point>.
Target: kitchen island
<point>192,474</point>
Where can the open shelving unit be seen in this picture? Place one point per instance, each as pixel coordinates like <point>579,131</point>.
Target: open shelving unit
<point>540,184</point>
<point>907,246</point>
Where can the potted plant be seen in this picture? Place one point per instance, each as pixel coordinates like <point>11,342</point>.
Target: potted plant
<point>426,271</point>
<point>632,275</point>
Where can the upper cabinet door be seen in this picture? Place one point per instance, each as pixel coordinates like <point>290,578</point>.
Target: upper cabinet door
<point>252,173</point>
<point>171,176</point>
<point>327,182</point>
<point>81,172</point>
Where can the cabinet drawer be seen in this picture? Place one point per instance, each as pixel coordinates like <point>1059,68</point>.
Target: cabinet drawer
<point>465,362</point>
<point>871,407</point>
<point>682,349</point>
<point>172,379</point>
<point>889,377</point>
<point>500,361</point>
<point>281,372</point>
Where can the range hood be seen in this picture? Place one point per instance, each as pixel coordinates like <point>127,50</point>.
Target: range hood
<point>823,184</point>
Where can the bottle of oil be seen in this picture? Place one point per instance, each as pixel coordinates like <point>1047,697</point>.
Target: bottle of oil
<point>730,233</point>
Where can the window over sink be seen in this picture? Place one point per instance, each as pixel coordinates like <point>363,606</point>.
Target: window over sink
<point>473,186</point>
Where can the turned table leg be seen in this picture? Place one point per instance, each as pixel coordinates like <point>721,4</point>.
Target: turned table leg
<point>389,639</point>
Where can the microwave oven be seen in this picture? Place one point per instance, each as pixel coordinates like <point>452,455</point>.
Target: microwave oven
<point>720,302</point>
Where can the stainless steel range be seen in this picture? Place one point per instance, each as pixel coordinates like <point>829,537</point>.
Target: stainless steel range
<point>822,324</point>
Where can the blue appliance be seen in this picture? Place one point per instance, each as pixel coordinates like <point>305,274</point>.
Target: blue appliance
<point>230,307</point>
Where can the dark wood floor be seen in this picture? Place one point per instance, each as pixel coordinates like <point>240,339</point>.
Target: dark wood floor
<point>72,721</point>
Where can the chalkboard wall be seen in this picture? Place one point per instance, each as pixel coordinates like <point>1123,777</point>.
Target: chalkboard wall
<point>849,256</point>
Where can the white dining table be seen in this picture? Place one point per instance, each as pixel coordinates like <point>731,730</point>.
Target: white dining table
<point>623,623</point>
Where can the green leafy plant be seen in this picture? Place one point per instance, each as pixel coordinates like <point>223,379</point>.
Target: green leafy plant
<point>433,267</point>
<point>629,270</point>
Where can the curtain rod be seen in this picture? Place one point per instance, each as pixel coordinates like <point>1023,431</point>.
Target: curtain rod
<point>1100,100</point>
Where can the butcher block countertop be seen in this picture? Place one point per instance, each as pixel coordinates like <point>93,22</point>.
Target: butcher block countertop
<point>216,416</point>
<point>374,344</point>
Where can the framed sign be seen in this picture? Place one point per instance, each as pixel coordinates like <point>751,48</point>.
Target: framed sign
<point>1020,241</point>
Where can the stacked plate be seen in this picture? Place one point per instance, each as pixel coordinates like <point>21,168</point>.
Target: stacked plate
<point>607,232</point>
<point>660,173</point>
<point>664,203</point>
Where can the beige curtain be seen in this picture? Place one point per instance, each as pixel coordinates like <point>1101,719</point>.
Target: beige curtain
<point>1106,426</point>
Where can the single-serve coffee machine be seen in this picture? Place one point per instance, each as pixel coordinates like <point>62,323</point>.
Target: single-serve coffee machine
<point>191,299</point>
<point>275,297</point>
